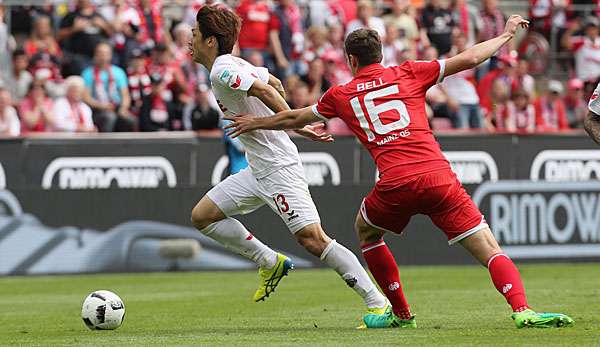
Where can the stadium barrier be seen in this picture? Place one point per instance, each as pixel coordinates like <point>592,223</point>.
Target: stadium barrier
<point>120,203</point>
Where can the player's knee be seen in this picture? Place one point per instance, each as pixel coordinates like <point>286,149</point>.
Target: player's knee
<point>365,233</point>
<point>200,218</point>
<point>314,240</point>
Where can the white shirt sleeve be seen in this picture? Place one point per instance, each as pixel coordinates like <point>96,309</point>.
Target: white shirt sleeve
<point>594,104</point>
<point>234,77</point>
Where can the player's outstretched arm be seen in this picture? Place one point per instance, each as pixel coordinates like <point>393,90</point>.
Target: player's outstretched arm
<point>276,83</point>
<point>592,126</point>
<point>290,119</point>
<point>481,52</point>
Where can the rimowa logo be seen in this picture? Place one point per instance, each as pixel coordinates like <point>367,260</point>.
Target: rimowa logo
<point>543,219</point>
<point>104,172</point>
<point>566,166</point>
<point>320,168</point>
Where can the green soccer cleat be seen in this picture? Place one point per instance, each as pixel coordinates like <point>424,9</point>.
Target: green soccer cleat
<point>375,311</point>
<point>388,320</point>
<point>532,319</point>
<point>270,278</point>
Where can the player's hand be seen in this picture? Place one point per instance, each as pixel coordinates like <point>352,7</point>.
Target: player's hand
<point>514,22</point>
<point>315,132</point>
<point>239,125</point>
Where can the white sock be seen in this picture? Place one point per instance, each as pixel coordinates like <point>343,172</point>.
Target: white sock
<point>232,234</point>
<point>345,263</point>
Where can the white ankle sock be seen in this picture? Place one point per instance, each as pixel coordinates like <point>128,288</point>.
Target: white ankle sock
<point>345,263</point>
<point>232,234</point>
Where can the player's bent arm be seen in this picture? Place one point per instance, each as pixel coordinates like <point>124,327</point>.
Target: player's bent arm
<point>592,126</point>
<point>268,95</point>
<point>481,52</point>
<point>289,119</point>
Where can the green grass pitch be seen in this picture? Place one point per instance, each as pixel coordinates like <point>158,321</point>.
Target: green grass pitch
<point>454,306</point>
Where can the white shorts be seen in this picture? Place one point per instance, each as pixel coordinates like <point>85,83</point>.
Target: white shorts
<point>285,191</point>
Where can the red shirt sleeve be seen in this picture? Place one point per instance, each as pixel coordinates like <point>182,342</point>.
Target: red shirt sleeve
<point>576,43</point>
<point>428,73</point>
<point>325,108</point>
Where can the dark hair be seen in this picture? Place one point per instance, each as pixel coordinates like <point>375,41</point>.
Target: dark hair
<point>365,45</point>
<point>221,23</point>
<point>18,52</point>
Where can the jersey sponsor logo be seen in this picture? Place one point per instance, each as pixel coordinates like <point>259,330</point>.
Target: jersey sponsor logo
<point>320,168</point>
<point>106,172</point>
<point>2,177</point>
<point>543,220</point>
<point>472,167</point>
<point>237,83</point>
<point>566,166</point>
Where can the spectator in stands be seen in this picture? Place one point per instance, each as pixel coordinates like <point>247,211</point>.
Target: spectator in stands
<point>586,49</point>
<point>337,71</point>
<point>42,38</point>
<point>156,114</point>
<point>499,96</point>
<point>80,32</point>
<point>575,103</point>
<point>151,25</point>
<point>438,24</point>
<point>45,66</point>
<point>138,78</point>
<point>315,79</point>
<point>467,20</point>
<point>254,33</point>
<point>107,92</point>
<point>365,19</point>
<point>173,86</point>
<point>524,79</point>
<point>18,79</point>
<point>316,43</point>
<point>518,115</point>
<point>550,111</point>
<point>459,87</point>
<point>36,109</point>
<point>125,22</point>
<point>300,96</point>
<point>493,21</point>
<point>403,17</point>
<point>199,114</point>
<point>548,14</point>
<point>393,49</point>
<point>286,35</point>
<point>9,121</point>
<point>71,114</point>
<point>442,105</point>
<point>505,73</point>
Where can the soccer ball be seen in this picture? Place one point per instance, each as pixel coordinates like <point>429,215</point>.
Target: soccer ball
<point>103,310</point>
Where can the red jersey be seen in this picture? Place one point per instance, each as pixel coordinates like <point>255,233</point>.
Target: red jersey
<point>385,109</point>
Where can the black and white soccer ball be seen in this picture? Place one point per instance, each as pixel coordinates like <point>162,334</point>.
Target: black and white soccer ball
<point>103,310</point>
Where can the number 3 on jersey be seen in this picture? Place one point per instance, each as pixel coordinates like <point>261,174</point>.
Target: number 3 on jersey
<point>375,110</point>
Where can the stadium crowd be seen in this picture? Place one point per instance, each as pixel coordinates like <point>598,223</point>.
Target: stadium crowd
<point>119,65</point>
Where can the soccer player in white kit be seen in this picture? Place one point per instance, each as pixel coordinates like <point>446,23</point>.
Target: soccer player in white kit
<point>275,176</point>
<point>592,121</point>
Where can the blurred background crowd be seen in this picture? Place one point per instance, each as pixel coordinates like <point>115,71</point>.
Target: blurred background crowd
<point>124,65</point>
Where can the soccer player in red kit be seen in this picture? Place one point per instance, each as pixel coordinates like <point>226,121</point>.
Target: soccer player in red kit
<point>385,108</point>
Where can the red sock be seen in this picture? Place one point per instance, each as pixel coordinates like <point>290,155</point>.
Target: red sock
<point>507,281</point>
<point>383,266</point>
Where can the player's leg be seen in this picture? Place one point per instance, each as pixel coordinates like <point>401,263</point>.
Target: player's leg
<point>230,197</point>
<point>343,261</point>
<point>382,264</point>
<point>458,216</point>
<point>287,193</point>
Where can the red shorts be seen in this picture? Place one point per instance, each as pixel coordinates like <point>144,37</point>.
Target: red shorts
<point>438,195</point>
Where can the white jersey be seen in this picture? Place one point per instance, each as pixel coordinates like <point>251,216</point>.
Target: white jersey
<point>266,150</point>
